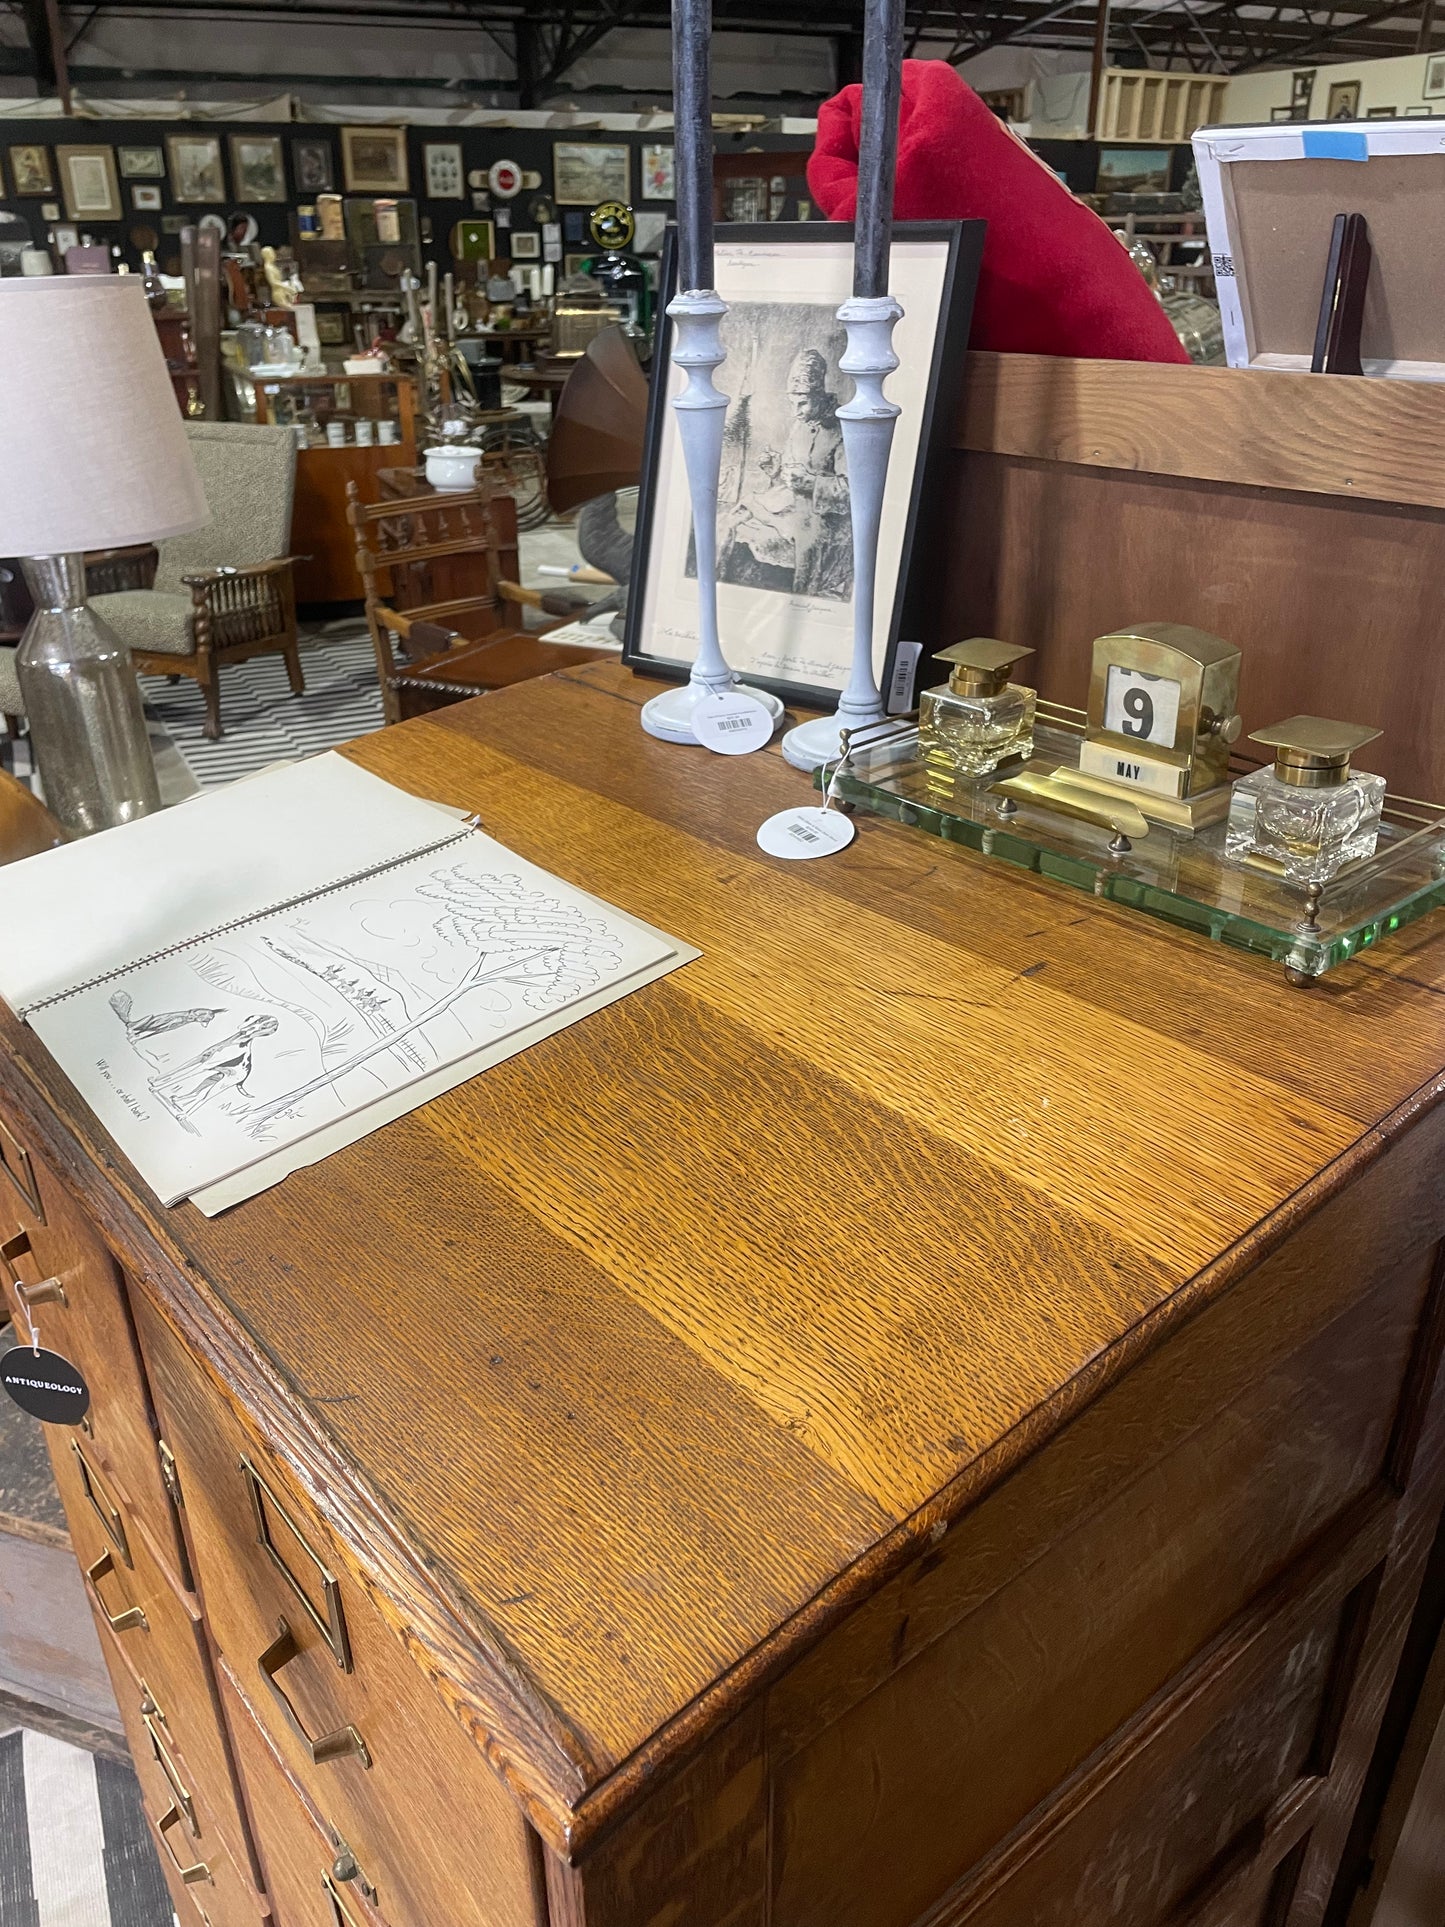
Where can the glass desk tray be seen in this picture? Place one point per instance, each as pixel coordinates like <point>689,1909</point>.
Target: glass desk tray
<point>1186,880</point>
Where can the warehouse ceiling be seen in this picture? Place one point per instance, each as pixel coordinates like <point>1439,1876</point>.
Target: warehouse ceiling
<point>540,42</point>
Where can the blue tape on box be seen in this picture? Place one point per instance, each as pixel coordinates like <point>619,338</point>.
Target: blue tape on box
<point>1334,144</point>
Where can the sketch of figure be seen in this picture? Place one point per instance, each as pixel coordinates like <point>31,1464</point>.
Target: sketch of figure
<point>143,1031</point>
<point>783,522</point>
<point>223,1067</point>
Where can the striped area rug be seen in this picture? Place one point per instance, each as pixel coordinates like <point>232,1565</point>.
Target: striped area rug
<point>263,721</point>
<point>75,1850</point>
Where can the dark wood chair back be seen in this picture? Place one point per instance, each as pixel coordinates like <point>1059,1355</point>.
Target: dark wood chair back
<point>26,826</point>
<point>398,543</point>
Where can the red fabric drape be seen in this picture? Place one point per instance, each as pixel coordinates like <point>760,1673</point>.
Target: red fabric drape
<point>1054,280</point>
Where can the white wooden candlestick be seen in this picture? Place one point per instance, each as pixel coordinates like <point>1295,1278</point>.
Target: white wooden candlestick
<point>701,411</point>
<point>867,420</point>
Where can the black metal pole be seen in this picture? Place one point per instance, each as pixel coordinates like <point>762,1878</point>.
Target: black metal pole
<point>878,144</point>
<point>692,136</point>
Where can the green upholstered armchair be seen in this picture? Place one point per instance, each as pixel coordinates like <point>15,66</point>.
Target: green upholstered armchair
<point>224,593</point>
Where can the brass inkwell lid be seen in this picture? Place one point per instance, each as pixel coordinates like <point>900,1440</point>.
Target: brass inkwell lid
<point>1311,752</point>
<point>980,665</point>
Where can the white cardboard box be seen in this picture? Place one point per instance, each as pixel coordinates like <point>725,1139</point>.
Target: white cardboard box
<point>1270,198</point>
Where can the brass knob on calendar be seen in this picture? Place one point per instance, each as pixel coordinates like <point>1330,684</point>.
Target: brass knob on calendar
<point>1227,728</point>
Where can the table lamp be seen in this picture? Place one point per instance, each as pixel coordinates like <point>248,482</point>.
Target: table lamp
<point>94,457</point>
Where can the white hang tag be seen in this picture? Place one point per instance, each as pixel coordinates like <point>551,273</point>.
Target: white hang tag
<point>808,830</point>
<point>731,722</point>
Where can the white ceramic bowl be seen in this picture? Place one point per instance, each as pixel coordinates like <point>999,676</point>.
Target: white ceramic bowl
<point>452,467</point>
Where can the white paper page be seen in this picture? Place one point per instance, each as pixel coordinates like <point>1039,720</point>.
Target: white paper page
<point>205,1062</point>
<point>70,914</point>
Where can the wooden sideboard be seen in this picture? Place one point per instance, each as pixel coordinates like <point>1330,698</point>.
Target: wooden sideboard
<point>929,1415</point>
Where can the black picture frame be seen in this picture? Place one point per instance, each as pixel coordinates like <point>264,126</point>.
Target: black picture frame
<point>914,591</point>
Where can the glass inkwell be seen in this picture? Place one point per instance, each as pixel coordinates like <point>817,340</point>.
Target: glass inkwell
<point>1310,814</point>
<point>978,720</point>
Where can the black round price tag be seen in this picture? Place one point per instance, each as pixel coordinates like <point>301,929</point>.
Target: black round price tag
<point>45,1385</point>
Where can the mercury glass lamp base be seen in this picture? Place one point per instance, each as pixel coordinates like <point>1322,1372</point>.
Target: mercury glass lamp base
<point>809,745</point>
<point>669,717</point>
<point>78,685</point>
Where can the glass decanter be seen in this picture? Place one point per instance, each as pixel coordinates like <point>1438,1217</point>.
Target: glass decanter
<point>1310,813</point>
<point>978,720</point>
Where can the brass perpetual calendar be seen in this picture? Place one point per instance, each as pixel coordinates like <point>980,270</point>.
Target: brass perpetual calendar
<point>1163,711</point>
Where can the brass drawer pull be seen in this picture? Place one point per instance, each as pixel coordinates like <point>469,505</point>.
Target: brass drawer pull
<point>15,1163</point>
<point>189,1875</point>
<point>330,1746</point>
<point>332,1627</point>
<point>341,1913</point>
<point>49,1291</point>
<point>130,1618</point>
<point>151,1716</point>
<point>108,1514</point>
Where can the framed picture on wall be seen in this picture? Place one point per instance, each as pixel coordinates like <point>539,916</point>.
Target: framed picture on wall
<point>445,177</point>
<point>30,172</point>
<point>584,174</point>
<point>258,171</point>
<point>659,174</point>
<point>197,175</point>
<point>145,198</point>
<point>1343,100</point>
<point>141,163</point>
<point>373,160</point>
<point>312,168</point>
<point>1301,93</point>
<point>1434,85</point>
<point>526,246</point>
<point>785,547</point>
<point>89,183</point>
<point>575,264</point>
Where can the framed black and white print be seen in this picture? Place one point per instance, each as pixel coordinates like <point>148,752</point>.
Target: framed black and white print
<point>785,547</point>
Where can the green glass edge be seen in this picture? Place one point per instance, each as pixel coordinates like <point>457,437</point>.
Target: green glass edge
<point>1311,956</point>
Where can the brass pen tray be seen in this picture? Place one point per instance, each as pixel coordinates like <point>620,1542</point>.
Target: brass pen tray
<point>1186,880</point>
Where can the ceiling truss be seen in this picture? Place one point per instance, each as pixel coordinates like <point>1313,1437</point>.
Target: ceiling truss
<point>544,40</point>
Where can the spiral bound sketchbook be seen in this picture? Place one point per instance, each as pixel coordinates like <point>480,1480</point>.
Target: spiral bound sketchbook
<point>253,979</point>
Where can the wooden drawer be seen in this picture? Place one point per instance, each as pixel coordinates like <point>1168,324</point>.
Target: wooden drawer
<point>370,1743</point>
<point>157,1630</point>
<point>306,1858</point>
<point>193,1855</point>
<point>51,1249</point>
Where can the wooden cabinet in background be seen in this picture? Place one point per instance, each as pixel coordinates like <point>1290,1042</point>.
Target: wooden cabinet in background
<point>928,1417</point>
<point>321,537</point>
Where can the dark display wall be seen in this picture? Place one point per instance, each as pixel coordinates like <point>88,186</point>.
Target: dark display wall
<point>530,148</point>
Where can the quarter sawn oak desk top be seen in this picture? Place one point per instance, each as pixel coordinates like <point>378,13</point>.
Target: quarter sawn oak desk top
<point>655,1349</point>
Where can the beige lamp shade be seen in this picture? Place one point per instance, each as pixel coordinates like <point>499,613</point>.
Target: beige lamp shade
<point>93,452</point>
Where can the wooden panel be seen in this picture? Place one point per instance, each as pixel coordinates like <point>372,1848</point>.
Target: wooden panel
<point>929,1774</point>
<point>319,528</point>
<point>93,1327</point>
<point>185,1831</point>
<point>1159,1831</point>
<point>399,1813</point>
<point>297,1854</point>
<point>159,1631</point>
<point>1321,594</point>
<point>1249,428</point>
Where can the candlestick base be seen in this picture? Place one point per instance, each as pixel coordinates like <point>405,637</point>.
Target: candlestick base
<point>809,745</point>
<point>669,717</point>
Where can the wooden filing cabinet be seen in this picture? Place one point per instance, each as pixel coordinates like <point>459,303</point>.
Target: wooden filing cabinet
<point>708,1473</point>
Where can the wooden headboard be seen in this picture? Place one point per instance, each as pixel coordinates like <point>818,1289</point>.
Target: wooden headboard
<point>1300,516</point>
